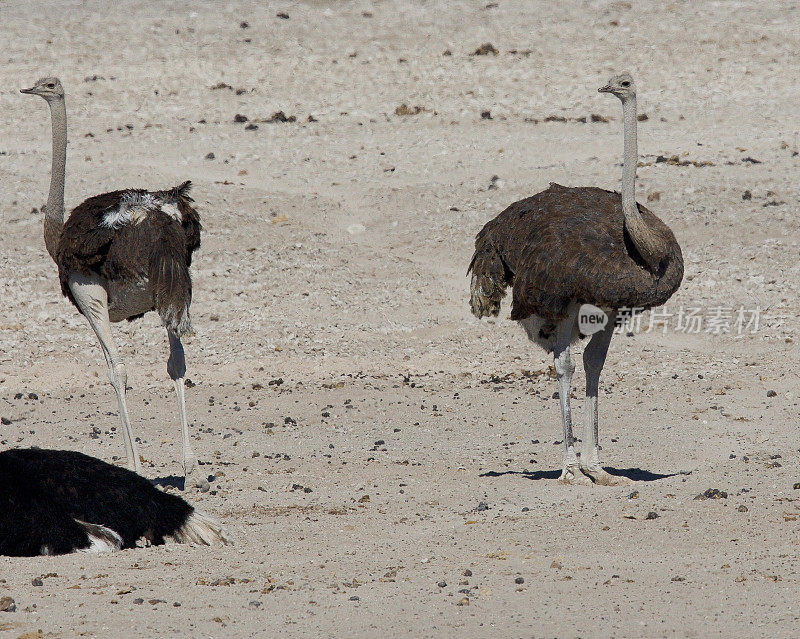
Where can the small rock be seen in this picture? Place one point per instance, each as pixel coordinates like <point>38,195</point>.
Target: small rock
<point>519,580</point>
<point>210,156</point>
<point>239,118</point>
<point>5,421</point>
<point>712,493</point>
<point>468,572</point>
<point>36,582</point>
<point>464,601</point>
<point>280,116</point>
<point>652,515</point>
<point>486,115</point>
<point>771,393</point>
<point>282,15</point>
<point>355,598</point>
<point>442,584</point>
<point>747,195</point>
<point>243,24</point>
<point>634,495</point>
<point>251,127</point>
<point>485,49</point>
<point>743,509</point>
<point>7,604</point>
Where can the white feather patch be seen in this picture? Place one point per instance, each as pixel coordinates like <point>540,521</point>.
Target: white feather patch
<point>101,539</point>
<point>172,211</point>
<point>133,207</point>
<point>202,529</point>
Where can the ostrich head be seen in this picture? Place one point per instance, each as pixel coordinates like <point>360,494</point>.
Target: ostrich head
<point>49,88</point>
<point>621,86</point>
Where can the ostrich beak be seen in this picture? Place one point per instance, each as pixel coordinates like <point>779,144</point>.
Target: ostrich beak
<point>30,91</point>
<point>605,89</point>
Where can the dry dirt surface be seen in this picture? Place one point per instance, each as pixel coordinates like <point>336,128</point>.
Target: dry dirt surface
<point>386,461</point>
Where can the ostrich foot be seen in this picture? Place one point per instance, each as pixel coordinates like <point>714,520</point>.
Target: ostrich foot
<point>573,476</point>
<point>195,478</point>
<point>602,478</point>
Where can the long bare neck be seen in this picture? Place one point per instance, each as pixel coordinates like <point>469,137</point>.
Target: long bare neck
<point>54,215</point>
<point>649,245</point>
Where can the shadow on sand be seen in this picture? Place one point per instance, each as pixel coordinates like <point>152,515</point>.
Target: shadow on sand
<point>170,480</point>
<point>634,474</point>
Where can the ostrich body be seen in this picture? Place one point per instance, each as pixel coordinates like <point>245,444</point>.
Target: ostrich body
<point>565,247</point>
<point>120,255</point>
<point>54,502</point>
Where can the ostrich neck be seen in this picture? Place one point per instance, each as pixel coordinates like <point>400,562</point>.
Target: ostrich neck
<point>54,215</point>
<point>649,245</point>
<point>630,157</point>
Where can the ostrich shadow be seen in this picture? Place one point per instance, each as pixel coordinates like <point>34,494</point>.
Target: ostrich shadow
<point>634,474</point>
<point>170,481</point>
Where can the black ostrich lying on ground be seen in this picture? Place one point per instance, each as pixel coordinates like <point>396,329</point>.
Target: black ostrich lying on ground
<point>54,502</point>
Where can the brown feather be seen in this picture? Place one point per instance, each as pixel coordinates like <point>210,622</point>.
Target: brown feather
<point>567,245</point>
<point>157,250</point>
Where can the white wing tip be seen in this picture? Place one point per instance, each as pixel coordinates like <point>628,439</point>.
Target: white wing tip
<point>202,529</point>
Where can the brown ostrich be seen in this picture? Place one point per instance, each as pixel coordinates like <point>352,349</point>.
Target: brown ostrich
<point>569,246</point>
<point>120,255</point>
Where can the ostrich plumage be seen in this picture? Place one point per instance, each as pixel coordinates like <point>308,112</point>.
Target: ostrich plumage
<point>565,247</point>
<point>54,502</point>
<point>119,256</point>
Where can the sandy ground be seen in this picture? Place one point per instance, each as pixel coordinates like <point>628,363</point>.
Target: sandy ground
<point>369,440</point>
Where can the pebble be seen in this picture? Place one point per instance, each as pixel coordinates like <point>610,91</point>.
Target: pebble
<point>519,580</point>
<point>742,509</point>
<point>467,573</point>
<point>712,493</point>
<point>652,515</point>
<point>771,393</point>
<point>7,604</point>
<point>442,584</point>
<point>36,582</point>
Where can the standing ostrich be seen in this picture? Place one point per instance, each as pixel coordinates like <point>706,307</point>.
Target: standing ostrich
<point>54,502</point>
<point>565,247</point>
<point>120,255</point>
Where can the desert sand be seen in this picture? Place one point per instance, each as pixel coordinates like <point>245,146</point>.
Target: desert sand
<point>387,462</point>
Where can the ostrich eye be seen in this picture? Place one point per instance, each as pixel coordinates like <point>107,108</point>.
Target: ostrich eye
<point>625,83</point>
<point>51,85</point>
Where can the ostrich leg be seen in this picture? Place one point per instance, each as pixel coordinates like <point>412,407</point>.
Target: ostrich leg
<point>176,367</point>
<point>571,473</point>
<point>92,299</point>
<point>593,359</point>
